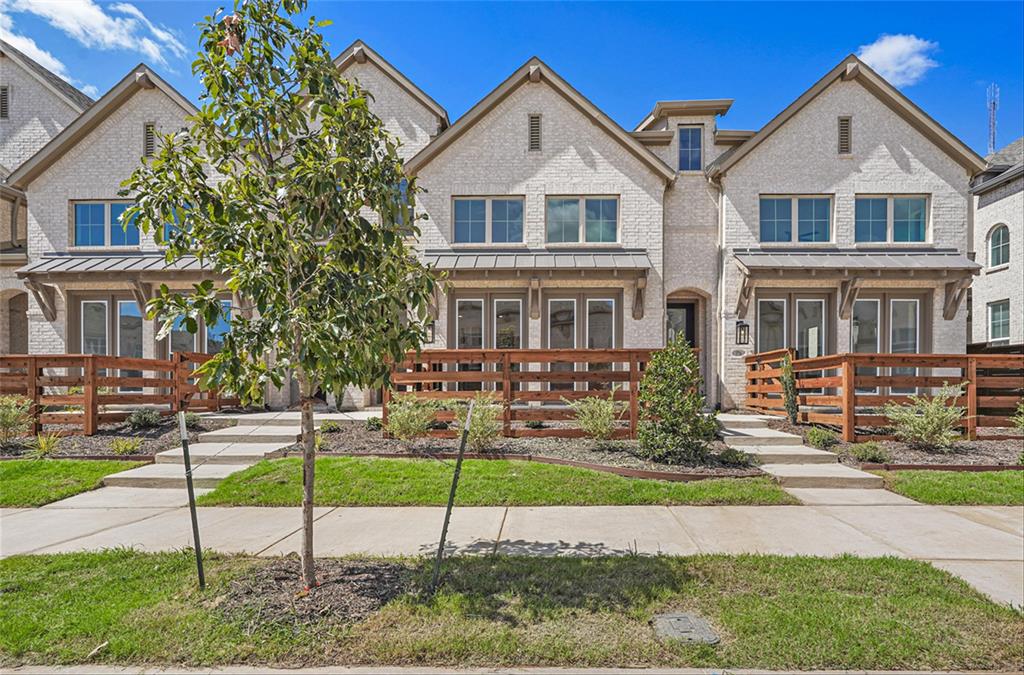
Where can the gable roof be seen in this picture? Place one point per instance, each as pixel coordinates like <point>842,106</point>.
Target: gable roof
<point>64,90</point>
<point>853,69</point>
<point>694,107</point>
<point>535,70</point>
<point>360,52</point>
<point>138,78</point>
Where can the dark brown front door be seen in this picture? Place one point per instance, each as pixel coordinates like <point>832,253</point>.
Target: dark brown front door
<point>682,320</point>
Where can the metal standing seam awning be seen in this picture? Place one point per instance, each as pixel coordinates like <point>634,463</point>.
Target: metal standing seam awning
<point>852,267</point>
<point>634,262</point>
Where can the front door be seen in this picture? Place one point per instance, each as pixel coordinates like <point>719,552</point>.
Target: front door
<point>682,320</point>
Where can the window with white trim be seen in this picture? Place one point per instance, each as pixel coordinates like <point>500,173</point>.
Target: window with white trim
<point>487,220</point>
<point>890,218</point>
<point>999,246</point>
<point>100,224</point>
<point>690,148</point>
<point>999,322</point>
<point>813,218</point>
<point>593,220</point>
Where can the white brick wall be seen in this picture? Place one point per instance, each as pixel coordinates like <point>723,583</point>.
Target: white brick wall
<point>1003,205</point>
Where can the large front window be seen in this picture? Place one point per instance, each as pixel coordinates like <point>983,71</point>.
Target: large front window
<point>690,148</point>
<point>102,224</point>
<point>594,220</point>
<point>813,216</point>
<point>488,220</point>
<point>999,321</point>
<point>897,219</point>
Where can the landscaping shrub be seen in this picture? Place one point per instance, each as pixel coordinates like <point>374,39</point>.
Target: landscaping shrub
<point>928,422</point>
<point>125,446</point>
<point>144,418</point>
<point>374,424</point>
<point>409,417</point>
<point>1018,417</point>
<point>536,424</point>
<point>789,389</point>
<point>485,426</point>
<point>822,438</point>
<point>46,445</point>
<point>735,457</point>
<point>674,428</point>
<point>193,421</point>
<point>329,427</point>
<point>15,418</point>
<point>596,415</point>
<point>869,452</point>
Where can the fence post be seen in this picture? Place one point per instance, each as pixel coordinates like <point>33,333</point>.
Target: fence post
<point>31,373</point>
<point>90,406</point>
<point>634,402</point>
<point>972,398</point>
<point>849,400</point>
<point>506,386</point>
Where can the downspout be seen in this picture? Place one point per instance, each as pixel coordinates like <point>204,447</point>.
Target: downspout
<point>720,292</point>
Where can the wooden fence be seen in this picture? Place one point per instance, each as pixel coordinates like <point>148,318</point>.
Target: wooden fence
<point>848,391</point>
<point>79,392</point>
<point>527,382</point>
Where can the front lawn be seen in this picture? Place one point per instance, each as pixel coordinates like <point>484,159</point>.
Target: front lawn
<point>996,488</point>
<point>34,482</point>
<point>771,612</point>
<point>359,481</point>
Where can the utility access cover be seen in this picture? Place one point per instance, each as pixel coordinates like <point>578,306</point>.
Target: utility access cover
<point>684,626</point>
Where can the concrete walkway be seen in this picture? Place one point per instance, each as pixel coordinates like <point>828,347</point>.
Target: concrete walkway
<point>983,545</point>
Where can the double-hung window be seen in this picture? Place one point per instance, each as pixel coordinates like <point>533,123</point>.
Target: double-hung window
<point>594,220</point>
<point>813,219</point>
<point>909,218</point>
<point>102,224</point>
<point>884,219</point>
<point>871,219</point>
<point>999,321</point>
<point>690,148</point>
<point>488,220</point>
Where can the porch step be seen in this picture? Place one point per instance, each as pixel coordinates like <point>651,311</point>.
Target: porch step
<point>172,476</point>
<point>741,421</point>
<point>743,437</point>
<point>821,476</point>
<point>223,453</point>
<point>789,454</point>
<point>263,433</point>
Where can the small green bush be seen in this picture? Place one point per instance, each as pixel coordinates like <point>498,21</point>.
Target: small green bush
<point>789,389</point>
<point>125,446</point>
<point>869,452</point>
<point>15,418</point>
<point>674,428</point>
<point>822,438</point>
<point>330,427</point>
<point>46,445</point>
<point>409,416</point>
<point>735,457</point>
<point>926,422</point>
<point>193,421</point>
<point>144,418</point>
<point>374,424</point>
<point>485,426</point>
<point>1018,417</point>
<point>596,415</point>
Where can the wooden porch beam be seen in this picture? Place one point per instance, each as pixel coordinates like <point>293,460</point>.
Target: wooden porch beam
<point>639,293</point>
<point>956,291</point>
<point>534,298</point>
<point>142,292</point>
<point>46,298</point>
<point>848,292</point>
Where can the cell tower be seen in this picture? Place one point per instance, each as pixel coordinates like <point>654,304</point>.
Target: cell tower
<point>993,106</point>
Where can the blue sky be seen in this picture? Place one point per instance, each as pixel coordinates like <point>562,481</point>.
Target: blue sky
<point>623,56</point>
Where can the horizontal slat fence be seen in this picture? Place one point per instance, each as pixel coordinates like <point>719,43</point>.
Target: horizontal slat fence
<point>526,382</point>
<point>848,391</point>
<point>79,392</point>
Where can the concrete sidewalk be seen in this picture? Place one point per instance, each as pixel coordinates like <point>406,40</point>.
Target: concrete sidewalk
<point>983,545</point>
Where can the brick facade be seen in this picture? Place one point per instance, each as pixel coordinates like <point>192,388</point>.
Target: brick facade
<point>1003,205</point>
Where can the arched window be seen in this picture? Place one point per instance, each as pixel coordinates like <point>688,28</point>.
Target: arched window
<point>999,246</point>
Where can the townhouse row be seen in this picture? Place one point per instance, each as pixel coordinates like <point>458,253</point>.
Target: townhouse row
<point>844,224</point>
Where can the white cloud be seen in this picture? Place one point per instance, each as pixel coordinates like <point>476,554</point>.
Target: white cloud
<point>29,48</point>
<point>89,24</point>
<point>901,59</point>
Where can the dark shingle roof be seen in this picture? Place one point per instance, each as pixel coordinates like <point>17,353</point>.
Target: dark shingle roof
<point>61,85</point>
<point>1009,155</point>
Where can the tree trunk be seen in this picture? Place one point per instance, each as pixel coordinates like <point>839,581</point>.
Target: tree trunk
<point>308,464</point>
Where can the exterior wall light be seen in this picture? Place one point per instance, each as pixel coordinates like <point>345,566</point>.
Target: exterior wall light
<point>742,333</point>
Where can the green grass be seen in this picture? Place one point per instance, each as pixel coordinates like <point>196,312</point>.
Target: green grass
<point>772,612</point>
<point>352,481</point>
<point>958,487</point>
<point>34,482</point>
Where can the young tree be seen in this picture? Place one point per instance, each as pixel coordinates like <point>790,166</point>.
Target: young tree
<point>288,187</point>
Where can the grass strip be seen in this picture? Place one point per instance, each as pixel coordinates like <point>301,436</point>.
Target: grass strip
<point>991,488</point>
<point>34,482</point>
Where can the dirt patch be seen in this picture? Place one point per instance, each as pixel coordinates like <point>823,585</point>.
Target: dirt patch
<point>349,591</point>
<point>354,437</point>
<point>154,440</point>
<point>998,452</point>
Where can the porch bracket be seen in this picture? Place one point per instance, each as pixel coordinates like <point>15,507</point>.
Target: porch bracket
<point>244,307</point>
<point>535,298</point>
<point>142,292</point>
<point>848,292</point>
<point>638,296</point>
<point>46,298</point>
<point>955,293</point>
<point>743,301</point>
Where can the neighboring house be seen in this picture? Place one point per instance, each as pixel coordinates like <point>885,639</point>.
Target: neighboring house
<point>997,312</point>
<point>839,226</point>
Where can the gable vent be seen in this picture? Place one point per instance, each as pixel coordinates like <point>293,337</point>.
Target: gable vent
<point>534,140</point>
<point>149,140</point>
<point>5,102</point>
<point>845,136</point>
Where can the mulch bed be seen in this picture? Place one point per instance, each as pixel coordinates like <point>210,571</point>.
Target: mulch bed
<point>157,439</point>
<point>349,591</point>
<point>354,437</point>
<point>999,452</point>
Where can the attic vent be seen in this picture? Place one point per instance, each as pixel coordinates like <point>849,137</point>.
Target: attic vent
<point>845,136</point>
<point>149,140</point>
<point>534,132</point>
<point>5,102</point>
